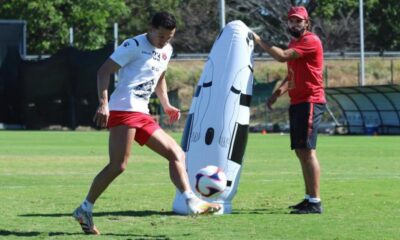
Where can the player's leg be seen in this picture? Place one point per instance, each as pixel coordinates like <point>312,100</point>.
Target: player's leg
<point>120,141</point>
<point>166,146</point>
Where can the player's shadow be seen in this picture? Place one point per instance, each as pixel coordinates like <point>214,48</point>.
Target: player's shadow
<point>18,234</point>
<point>260,211</point>
<point>144,213</point>
<point>135,236</point>
<point>6,233</point>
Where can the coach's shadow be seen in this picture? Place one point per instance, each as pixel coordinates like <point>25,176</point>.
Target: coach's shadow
<point>144,213</point>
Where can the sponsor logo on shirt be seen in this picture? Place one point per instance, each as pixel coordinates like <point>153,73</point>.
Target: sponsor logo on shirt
<point>156,55</point>
<point>144,90</point>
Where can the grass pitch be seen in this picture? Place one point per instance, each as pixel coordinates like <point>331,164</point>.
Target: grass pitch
<point>45,175</point>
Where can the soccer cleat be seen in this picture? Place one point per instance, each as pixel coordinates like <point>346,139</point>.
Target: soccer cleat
<point>309,209</point>
<point>197,206</point>
<point>300,204</point>
<point>85,219</point>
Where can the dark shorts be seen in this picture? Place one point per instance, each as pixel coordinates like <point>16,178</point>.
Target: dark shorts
<point>304,121</point>
<point>145,125</point>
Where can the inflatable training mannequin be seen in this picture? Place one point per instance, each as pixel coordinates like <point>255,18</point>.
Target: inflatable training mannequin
<point>218,121</point>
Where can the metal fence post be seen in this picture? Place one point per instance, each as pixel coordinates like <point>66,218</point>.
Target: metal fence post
<point>326,76</point>
<point>391,72</point>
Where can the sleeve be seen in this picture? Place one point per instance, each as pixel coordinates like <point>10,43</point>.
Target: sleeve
<point>169,56</point>
<point>308,45</point>
<point>126,52</point>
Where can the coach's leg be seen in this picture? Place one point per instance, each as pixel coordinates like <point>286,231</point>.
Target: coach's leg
<point>120,142</point>
<point>311,170</point>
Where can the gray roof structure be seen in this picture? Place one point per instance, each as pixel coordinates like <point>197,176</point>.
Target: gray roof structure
<point>365,109</point>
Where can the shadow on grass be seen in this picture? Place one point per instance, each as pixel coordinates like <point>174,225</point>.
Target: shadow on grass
<point>18,234</point>
<point>145,213</point>
<point>52,234</point>
<point>136,236</point>
<point>260,211</point>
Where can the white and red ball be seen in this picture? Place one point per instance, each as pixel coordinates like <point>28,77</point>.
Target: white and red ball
<point>210,181</point>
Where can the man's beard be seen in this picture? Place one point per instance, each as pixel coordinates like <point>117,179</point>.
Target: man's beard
<point>296,33</point>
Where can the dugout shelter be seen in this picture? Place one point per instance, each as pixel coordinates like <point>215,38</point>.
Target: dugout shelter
<point>365,109</point>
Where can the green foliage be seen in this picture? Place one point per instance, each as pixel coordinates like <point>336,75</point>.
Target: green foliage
<point>45,175</point>
<point>200,28</point>
<point>46,27</point>
<point>184,73</point>
<point>383,30</point>
<point>335,21</point>
<point>48,22</point>
<point>141,12</point>
<point>92,20</point>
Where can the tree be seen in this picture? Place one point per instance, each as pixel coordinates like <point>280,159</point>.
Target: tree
<point>200,26</point>
<point>337,24</point>
<point>141,12</point>
<point>92,20</point>
<point>48,21</point>
<point>383,30</point>
<point>268,18</point>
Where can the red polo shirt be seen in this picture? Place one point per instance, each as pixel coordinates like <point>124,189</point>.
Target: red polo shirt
<point>305,73</point>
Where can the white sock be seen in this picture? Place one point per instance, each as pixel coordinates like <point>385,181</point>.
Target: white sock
<point>87,206</point>
<point>188,194</point>
<point>314,200</point>
<point>307,197</point>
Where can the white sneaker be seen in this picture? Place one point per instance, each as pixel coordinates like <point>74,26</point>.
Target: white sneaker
<point>85,219</point>
<point>197,206</point>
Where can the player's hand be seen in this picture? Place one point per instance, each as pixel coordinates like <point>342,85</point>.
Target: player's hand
<point>101,115</point>
<point>173,113</point>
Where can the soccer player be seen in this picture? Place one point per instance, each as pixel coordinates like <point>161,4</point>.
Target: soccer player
<point>142,62</point>
<point>304,57</point>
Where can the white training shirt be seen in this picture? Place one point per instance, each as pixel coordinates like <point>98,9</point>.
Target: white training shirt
<point>141,67</point>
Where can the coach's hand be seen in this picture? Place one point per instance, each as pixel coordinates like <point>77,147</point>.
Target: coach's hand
<point>256,38</point>
<point>272,99</point>
<point>101,115</point>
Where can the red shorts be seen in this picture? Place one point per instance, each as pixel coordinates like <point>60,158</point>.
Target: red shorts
<point>145,125</point>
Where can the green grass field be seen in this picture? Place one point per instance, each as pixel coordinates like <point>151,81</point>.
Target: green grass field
<point>45,175</point>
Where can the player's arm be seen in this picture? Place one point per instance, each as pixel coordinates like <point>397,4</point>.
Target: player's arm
<point>103,80</point>
<point>162,94</point>
<point>283,87</point>
<point>277,53</point>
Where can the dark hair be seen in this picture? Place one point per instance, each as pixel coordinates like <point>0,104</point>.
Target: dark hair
<point>309,25</point>
<point>163,19</point>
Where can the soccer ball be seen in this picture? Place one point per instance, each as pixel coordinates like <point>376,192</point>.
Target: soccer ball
<point>210,181</point>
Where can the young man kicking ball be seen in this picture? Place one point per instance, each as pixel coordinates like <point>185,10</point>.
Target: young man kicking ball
<point>142,62</point>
